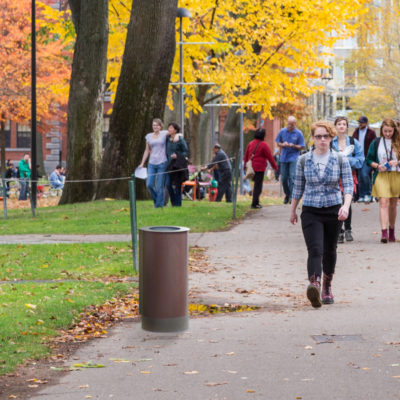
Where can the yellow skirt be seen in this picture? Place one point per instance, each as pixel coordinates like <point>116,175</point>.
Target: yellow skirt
<point>387,185</point>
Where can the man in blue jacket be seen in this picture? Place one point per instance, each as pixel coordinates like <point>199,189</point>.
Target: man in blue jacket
<point>290,140</point>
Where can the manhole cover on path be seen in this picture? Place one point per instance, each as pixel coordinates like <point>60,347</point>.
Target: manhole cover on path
<point>336,338</point>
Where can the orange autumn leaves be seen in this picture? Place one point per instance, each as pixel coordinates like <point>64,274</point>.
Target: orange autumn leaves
<point>53,63</point>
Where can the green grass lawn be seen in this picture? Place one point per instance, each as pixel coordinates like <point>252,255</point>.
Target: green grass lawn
<point>108,217</point>
<point>32,312</point>
<point>65,261</point>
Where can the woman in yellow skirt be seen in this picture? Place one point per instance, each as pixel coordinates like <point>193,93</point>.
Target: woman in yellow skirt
<point>384,157</point>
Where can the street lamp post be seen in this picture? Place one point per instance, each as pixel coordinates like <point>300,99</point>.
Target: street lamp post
<point>181,13</point>
<point>33,108</point>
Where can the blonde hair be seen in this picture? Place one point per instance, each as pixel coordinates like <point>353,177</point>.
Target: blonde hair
<point>324,124</point>
<point>158,122</point>
<point>396,134</point>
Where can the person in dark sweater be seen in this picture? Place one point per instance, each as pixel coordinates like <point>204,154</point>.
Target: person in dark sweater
<point>177,151</point>
<point>222,165</point>
<point>365,136</point>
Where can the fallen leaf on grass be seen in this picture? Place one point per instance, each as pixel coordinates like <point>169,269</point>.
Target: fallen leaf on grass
<point>32,306</point>
<point>96,319</point>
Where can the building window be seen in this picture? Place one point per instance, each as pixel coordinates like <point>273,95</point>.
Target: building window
<point>7,131</point>
<point>106,129</point>
<point>24,136</point>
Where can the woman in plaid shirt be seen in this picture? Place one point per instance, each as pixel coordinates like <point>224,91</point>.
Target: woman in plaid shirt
<point>318,173</point>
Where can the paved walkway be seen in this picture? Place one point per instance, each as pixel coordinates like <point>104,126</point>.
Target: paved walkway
<point>268,354</point>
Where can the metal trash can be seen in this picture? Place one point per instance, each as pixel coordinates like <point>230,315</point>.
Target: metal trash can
<point>163,278</point>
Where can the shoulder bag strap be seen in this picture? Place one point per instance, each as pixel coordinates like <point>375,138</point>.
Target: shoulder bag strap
<point>254,152</point>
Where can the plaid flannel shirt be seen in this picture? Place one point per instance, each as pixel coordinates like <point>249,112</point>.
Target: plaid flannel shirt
<point>322,191</point>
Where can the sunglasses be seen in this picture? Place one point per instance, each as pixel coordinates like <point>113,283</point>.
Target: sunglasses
<point>320,137</point>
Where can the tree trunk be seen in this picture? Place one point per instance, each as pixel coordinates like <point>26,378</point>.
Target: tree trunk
<point>230,138</point>
<point>194,128</point>
<point>142,91</point>
<point>86,97</point>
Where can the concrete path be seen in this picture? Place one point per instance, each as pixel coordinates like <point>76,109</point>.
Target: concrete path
<point>268,354</point>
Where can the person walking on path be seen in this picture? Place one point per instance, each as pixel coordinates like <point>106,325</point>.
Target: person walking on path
<point>365,136</point>
<point>221,164</point>
<point>24,171</point>
<point>352,149</point>
<point>177,151</point>
<point>318,173</point>
<point>290,140</point>
<point>156,149</point>
<point>384,157</point>
<point>259,152</point>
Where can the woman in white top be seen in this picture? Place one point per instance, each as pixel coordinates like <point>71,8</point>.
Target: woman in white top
<point>156,143</point>
<point>384,157</point>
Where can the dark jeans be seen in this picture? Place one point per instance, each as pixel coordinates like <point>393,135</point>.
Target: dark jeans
<point>364,181</point>
<point>23,190</point>
<point>224,185</point>
<point>288,173</point>
<point>321,231</point>
<point>174,191</point>
<point>257,189</point>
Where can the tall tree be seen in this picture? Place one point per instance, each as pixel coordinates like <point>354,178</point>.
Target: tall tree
<point>86,98</point>
<point>142,90</point>
<point>374,66</point>
<point>258,53</point>
<point>15,65</point>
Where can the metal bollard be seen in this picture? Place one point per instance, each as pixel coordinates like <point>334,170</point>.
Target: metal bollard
<point>163,278</point>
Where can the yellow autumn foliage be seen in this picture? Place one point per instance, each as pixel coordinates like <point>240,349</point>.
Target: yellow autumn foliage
<point>263,52</point>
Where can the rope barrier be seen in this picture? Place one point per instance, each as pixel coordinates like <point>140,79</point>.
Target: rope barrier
<point>116,179</point>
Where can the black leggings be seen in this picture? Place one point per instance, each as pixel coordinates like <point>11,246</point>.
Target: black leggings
<point>258,185</point>
<point>347,222</point>
<point>321,229</point>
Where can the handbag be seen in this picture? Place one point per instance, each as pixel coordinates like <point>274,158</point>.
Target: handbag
<point>249,174</point>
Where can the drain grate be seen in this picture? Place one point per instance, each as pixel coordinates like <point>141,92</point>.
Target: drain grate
<point>320,339</point>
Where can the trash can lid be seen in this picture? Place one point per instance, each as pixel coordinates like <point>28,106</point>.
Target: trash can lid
<point>165,229</point>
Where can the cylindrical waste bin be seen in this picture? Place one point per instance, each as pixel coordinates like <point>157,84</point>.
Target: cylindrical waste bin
<point>163,278</point>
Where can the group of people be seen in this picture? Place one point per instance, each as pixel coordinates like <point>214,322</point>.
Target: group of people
<point>326,178</point>
<point>167,152</point>
<point>23,174</point>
